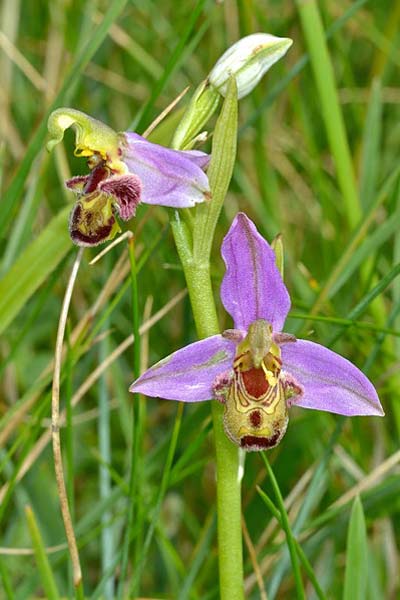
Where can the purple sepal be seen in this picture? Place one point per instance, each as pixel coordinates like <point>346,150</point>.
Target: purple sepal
<point>189,373</point>
<point>169,177</point>
<point>330,382</point>
<point>252,287</point>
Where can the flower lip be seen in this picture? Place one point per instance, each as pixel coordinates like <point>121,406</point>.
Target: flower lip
<point>92,221</point>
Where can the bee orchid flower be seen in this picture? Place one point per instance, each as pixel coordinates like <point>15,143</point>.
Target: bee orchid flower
<point>125,169</point>
<point>257,371</point>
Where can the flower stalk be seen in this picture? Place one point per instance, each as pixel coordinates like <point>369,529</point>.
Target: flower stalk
<point>196,265</point>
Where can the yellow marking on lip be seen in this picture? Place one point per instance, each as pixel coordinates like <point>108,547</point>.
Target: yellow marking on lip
<point>269,376</point>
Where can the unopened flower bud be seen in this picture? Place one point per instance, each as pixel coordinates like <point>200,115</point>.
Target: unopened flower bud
<point>248,60</point>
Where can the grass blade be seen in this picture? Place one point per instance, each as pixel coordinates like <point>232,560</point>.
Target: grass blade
<point>47,579</point>
<point>286,527</point>
<point>304,560</point>
<point>356,575</point>
<point>33,266</point>
<point>331,111</point>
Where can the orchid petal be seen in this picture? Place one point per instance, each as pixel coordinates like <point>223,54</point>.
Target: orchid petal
<point>169,177</point>
<point>330,382</point>
<point>126,190</point>
<point>252,287</point>
<point>76,184</point>
<point>201,159</point>
<point>189,373</point>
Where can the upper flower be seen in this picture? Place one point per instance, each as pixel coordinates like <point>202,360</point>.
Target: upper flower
<point>255,369</point>
<point>125,169</point>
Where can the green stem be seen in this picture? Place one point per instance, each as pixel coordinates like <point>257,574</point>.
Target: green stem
<point>69,439</point>
<point>227,455</point>
<point>104,433</point>
<point>331,111</point>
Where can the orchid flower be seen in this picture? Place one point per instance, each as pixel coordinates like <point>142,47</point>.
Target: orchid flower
<point>256,370</point>
<point>125,169</point>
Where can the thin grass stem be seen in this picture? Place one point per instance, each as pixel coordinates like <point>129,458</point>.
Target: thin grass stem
<point>55,431</point>
<point>46,574</point>
<point>304,560</point>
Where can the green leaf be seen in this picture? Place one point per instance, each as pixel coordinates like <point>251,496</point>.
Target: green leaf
<point>219,174</point>
<point>356,576</point>
<point>368,248</point>
<point>32,267</point>
<point>370,157</point>
<point>331,110</point>
<point>6,581</point>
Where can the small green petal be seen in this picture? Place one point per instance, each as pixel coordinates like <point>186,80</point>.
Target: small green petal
<point>277,247</point>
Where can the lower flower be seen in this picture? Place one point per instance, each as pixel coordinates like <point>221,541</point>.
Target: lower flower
<point>257,371</point>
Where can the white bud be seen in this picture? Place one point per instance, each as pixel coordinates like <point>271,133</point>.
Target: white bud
<point>248,60</point>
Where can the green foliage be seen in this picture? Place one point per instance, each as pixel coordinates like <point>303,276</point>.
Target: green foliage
<point>356,577</point>
<point>317,161</point>
<point>32,268</point>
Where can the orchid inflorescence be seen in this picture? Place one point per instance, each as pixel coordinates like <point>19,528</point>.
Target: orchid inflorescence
<point>255,370</point>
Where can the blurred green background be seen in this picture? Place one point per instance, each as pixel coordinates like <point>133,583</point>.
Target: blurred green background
<point>123,63</point>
